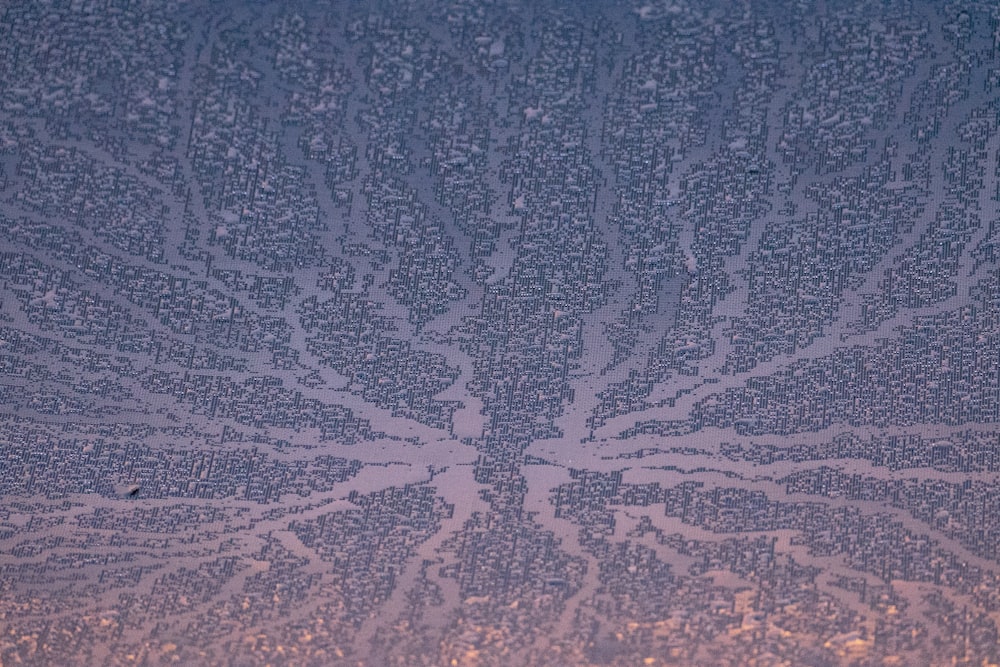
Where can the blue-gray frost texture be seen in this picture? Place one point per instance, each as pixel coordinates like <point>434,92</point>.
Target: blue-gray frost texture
<point>474,332</point>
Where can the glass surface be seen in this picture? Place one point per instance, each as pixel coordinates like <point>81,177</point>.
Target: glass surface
<point>466,332</point>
